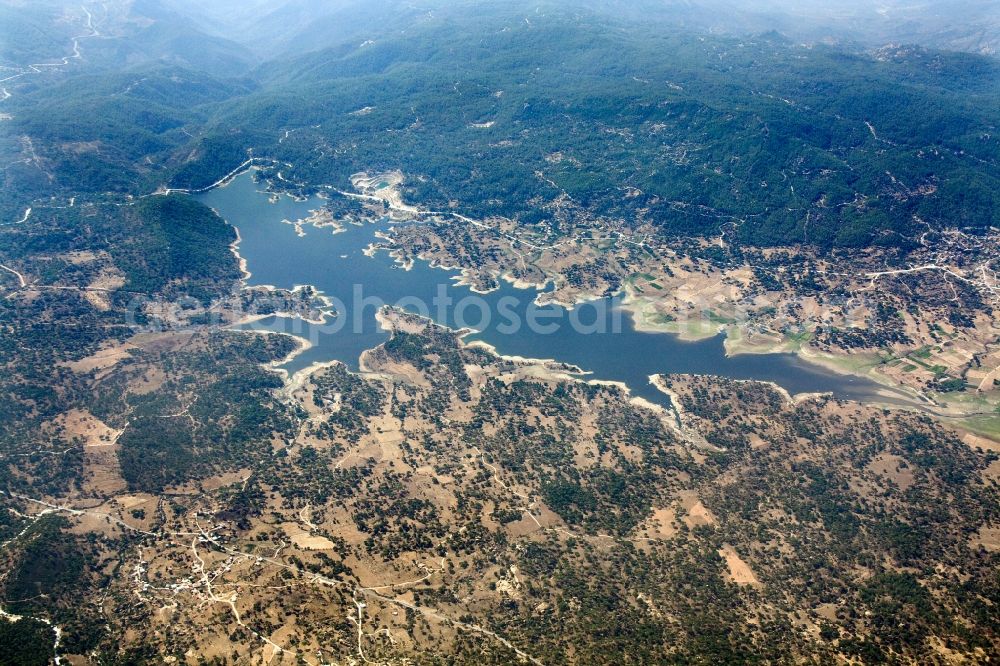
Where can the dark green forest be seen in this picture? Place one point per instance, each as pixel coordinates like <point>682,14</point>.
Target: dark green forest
<point>817,144</point>
<point>561,116</point>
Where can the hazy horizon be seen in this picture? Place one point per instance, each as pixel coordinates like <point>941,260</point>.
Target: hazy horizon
<point>965,25</point>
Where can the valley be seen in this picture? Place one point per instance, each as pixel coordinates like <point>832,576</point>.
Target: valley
<point>456,332</point>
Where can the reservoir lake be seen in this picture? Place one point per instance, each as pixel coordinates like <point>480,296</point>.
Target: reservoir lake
<point>336,265</point>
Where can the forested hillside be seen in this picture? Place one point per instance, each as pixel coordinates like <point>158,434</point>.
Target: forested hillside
<point>683,130</point>
<point>175,490</point>
<point>509,113</point>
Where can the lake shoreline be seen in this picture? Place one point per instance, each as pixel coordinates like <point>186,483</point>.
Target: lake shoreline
<point>333,263</point>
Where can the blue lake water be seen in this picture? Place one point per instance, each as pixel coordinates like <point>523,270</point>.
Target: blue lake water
<point>603,342</point>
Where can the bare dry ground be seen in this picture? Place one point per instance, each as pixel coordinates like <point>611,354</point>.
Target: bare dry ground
<point>739,571</point>
<point>449,503</point>
<point>929,327</point>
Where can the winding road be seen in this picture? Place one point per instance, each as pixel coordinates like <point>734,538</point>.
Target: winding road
<point>40,67</point>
